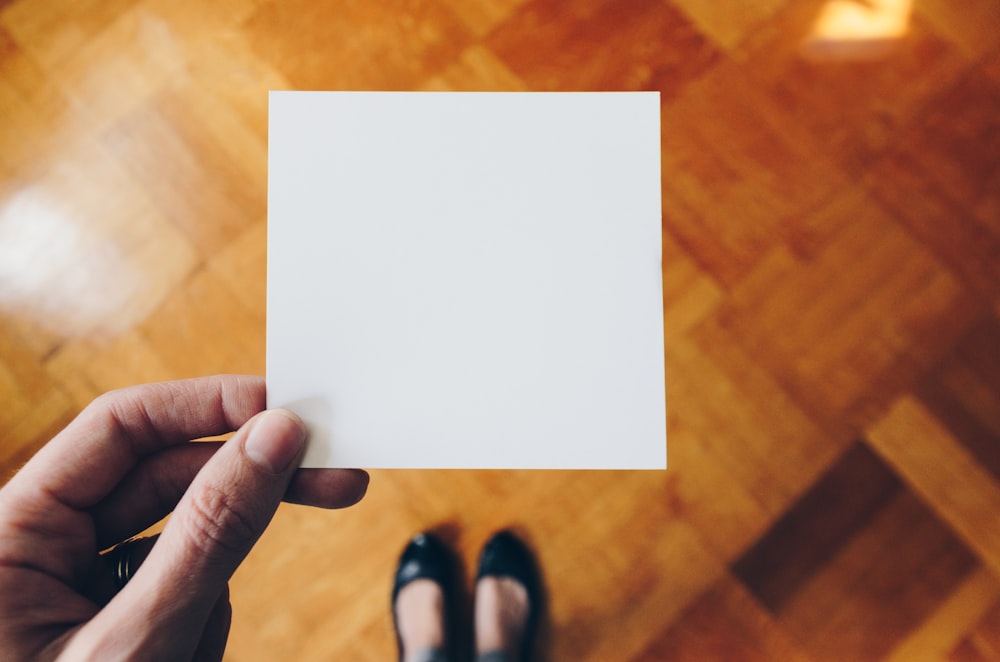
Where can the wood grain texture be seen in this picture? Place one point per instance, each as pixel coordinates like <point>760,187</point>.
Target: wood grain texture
<point>831,284</point>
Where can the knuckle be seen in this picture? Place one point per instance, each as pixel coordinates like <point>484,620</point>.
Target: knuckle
<point>221,521</point>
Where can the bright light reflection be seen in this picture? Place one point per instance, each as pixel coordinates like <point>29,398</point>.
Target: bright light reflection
<point>56,273</point>
<point>859,28</point>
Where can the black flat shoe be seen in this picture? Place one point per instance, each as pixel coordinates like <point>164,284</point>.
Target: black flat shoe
<point>426,557</point>
<point>505,555</point>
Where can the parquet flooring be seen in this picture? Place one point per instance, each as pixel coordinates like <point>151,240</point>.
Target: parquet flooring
<point>831,239</point>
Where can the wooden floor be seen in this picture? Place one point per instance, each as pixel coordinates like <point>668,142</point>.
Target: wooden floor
<point>831,283</point>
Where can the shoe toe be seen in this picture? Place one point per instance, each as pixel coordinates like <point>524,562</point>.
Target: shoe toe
<point>505,555</point>
<point>425,557</point>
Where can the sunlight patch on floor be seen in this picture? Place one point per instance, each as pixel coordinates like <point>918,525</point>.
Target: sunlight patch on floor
<point>858,29</point>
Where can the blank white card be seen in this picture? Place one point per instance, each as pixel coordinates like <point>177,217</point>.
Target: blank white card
<point>468,280</point>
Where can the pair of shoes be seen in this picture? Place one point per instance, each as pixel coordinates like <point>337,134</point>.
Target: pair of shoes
<point>504,555</point>
<point>426,557</point>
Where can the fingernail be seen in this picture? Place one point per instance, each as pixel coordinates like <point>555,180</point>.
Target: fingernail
<point>275,440</point>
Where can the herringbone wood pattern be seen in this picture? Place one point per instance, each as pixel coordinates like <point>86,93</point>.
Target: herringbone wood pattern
<point>831,288</point>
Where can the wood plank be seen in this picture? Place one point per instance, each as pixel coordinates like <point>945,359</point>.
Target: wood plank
<point>904,557</point>
<point>952,620</point>
<point>944,473</point>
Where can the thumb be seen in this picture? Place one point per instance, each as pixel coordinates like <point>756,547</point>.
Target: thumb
<point>162,611</point>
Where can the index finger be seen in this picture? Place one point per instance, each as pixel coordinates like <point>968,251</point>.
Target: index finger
<point>85,461</point>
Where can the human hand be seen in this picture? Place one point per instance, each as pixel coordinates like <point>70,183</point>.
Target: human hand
<point>122,465</point>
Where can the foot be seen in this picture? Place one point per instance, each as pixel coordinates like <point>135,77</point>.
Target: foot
<point>421,592</point>
<point>508,598</point>
<point>502,608</point>
<point>419,613</point>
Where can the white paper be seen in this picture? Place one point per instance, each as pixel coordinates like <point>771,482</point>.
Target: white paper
<point>467,280</point>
